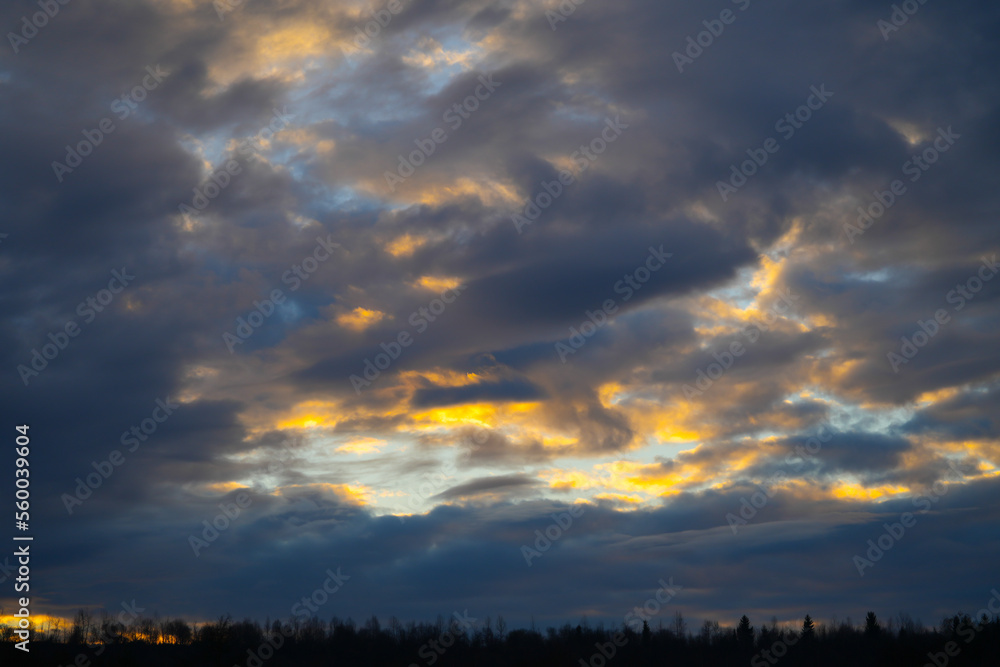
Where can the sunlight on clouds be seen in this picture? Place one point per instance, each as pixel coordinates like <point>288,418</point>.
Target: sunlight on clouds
<point>514,418</point>
<point>568,480</point>
<point>294,42</point>
<point>354,494</point>
<point>438,376</point>
<point>37,621</point>
<point>437,283</point>
<point>908,130</point>
<point>360,319</point>
<point>557,441</point>
<point>669,422</point>
<point>851,491</point>
<point>767,276</point>
<point>620,498</point>
<point>640,477</point>
<point>224,487</point>
<point>308,139</point>
<point>405,245</point>
<point>262,49</point>
<point>309,414</point>
<point>491,193</point>
<point>362,446</point>
<point>929,398</point>
<point>482,414</point>
<point>670,429</point>
<point>430,54</point>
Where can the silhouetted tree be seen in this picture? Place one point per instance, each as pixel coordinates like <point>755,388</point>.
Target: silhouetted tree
<point>178,631</point>
<point>315,642</point>
<point>680,627</point>
<point>744,634</point>
<point>872,627</point>
<point>81,627</point>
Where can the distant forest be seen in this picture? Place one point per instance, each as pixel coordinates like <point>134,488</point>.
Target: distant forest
<point>150,642</point>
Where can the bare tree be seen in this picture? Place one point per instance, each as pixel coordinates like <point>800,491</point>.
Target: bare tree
<point>680,625</point>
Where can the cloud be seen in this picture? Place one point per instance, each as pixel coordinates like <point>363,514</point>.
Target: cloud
<point>478,431</point>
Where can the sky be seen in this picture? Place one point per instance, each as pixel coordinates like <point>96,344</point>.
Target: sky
<point>510,307</point>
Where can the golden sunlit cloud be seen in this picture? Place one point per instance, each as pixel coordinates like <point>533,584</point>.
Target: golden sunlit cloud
<point>361,446</point>
<point>437,283</point>
<point>489,192</point>
<point>569,480</point>
<point>405,245</point>
<point>360,319</point>
<point>310,414</point>
<point>354,494</point>
<point>849,491</point>
<point>620,498</point>
<point>224,487</point>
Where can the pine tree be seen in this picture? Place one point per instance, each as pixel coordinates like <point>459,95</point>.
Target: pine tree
<point>744,633</point>
<point>872,627</point>
<point>808,627</point>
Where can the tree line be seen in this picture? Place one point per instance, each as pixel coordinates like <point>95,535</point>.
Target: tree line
<point>102,639</point>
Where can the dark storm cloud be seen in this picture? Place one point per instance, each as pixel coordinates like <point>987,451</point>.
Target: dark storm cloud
<point>501,391</point>
<point>966,416</point>
<point>855,453</point>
